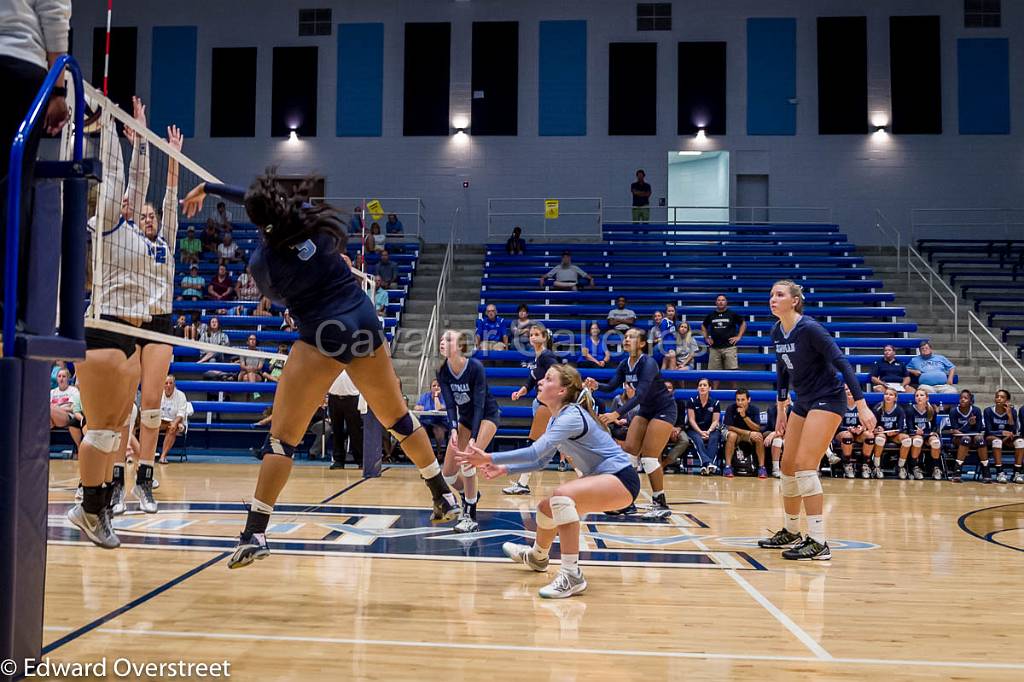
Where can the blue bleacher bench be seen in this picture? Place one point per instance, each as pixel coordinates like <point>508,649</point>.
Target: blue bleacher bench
<point>599,312</point>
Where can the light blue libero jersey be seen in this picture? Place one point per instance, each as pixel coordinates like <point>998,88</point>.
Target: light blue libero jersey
<point>574,433</point>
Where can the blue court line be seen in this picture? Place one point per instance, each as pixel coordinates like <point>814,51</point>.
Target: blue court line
<point>85,629</point>
<point>962,522</point>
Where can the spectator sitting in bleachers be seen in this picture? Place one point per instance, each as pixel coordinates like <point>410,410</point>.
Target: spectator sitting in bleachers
<point>433,401</point>
<point>190,247</point>
<point>722,330</point>
<point>375,241</point>
<point>678,440</point>
<point>210,237</point>
<point>227,251</point>
<point>184,328</point>
<point>889,373</point>
<point>57,366</point>
<point>621,318</point>
<point>381,298</point>
<point>743,425</point>
<point>491,330</point>
<point>933,372</point>
<point>620,427</point>
<point>657,332</point>
<point>174,410</point>
<point>221,287</point>
<point>967,430</point>
<point>702,415</point>
<point>262,308</point>
<point>519,330</point>
<point>393,226</point>
<point>566,275</point>
<point>274,368</point>
<point>222,217</point>
<point>1000,432</point>
<point>892,428</point>
<point>250,368</point>
<point>246,288</point>
<point>387,271</point>
<point>192,285</point>
<point>686,348</point>
<point>593,351</point>
<point>288,322</point>
<point>516,245</point>
<point>212,333</point>
<point>66,407</point>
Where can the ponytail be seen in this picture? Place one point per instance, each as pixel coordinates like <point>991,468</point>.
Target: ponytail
<point>285,217</point>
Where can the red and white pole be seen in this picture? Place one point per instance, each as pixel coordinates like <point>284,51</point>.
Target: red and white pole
<point>106,56</point>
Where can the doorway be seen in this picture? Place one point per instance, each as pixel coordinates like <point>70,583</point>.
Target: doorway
<point>751,199</point>
<point>698,187</point>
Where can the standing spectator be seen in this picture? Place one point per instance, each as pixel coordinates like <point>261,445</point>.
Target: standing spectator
<point>375,241</point>
<point>227,251</point>
<point>491,330</point>
<point>387,271</point>
<point>566,275</point>
<point>212,333</point>
<point>641,192</point>
<point>246,287</point>
<point>889,373</point>
<point>621,318</point>
<point>250,368</point>
<point>221,287</point>
<point>743,425</point>
<point>190,247</point>
<point>66,406</point>
<point>433,401</point>
<point>933,372</point>
<point>343,404</point>
<point>173,415</point>
<point>381,298</point>
<point>210,238</point>
<point>393,226</point>
<point>192,285</point>
<point>519,330</point>
<point>355,226</point>
<point>593,352</point>
<point>516,245</point>
<point>722,330</point>
<point>222,217</point>
<point>702,416</point>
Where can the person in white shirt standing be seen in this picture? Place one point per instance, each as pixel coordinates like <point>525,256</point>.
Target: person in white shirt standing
<point>346,408</point>
<point>173,415</point>
<point>66,407</point>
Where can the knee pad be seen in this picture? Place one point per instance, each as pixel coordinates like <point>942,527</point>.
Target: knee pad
<point>468,470</point>
<point>276,446</point>
<point>451,480</point>
<point>778,442</point>
<point>544,521</point>
<point>997,443</point>
<point>104,440</point>
<point>405,427</point>
<point>563,510</point>
<point>917,441</point>
<point>1019,443</point>
<point>906,442</point>
<point>150,419</point>
<point>650,464</point>
<point>965,441</point>
<point>846,440</point>
<point>808,483</point>
<point>880,440</point>
<point>790,487</point>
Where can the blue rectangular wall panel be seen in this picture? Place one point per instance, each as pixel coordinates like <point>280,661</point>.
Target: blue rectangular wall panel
<point>771,76</point>
<point>360,80</point>
<point>562,95</point>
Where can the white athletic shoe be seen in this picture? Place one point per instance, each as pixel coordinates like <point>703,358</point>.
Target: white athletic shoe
<point>143,492</point>
<point>516,489</point>
<point>902,473</point>
<point>564,585</point>
<point>96,527</point>
<point>937,473</point>
<point>118,505</point>
<point>1002,477</point>
<point>776,472</point>
<point>156,483</point>
<point>878,473</point>
<point>918,474</point>
<point>865,471</point>
<point>523,554</point>
<point>1018,478</point>
<point>79,494</point>
<point>833,458</point>
<point>848,470</point>
<point>466,525</point>
<point>712,469</point>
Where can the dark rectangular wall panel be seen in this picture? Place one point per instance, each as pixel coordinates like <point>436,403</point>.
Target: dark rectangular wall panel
<point>562,86</point>
<point>293,91</point>
<point>842,75</point>
<point>915,75</point>
<point>123,56</point>
<point>426,100</point>
<point>172,90</point>
<point>360,80</point>
<point>233,92</point>
<point>983,74</point>
<point>632,89</point>
<point>495,78</point>
<point>771,76</point>
<point>701,75</point>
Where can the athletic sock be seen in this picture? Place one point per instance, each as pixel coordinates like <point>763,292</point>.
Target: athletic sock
<point>816,527</point>
<point>792,523</point>
<point>258,519</point>
<point>539,552</point>
<point>524,480</point>
<point>657,493</point>
<point>144,474</point>
<point>571,564</point>
<point>94,498</point>
<point>902,463</point>
<point>473,501</point>
<point>1017,468</point>
<point>877,461</point>
<point>119,474</point>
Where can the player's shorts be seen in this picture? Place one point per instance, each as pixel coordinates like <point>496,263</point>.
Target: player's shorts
<point>353,334</point>
<point>492,415</point>
<point>833,404</point>
<point>100,339</point>
<point>630,479</point>
<point>666,412</point>
<point>161,324</point>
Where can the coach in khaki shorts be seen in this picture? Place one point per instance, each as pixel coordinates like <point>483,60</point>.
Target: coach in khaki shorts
<point>722,330</point>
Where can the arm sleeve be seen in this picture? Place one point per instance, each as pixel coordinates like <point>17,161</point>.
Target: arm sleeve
<point>232,193</point>
<point>615,381</point>
<point>112,187</point>
<point>826,345</point>
<point>645,380</point>
<point>169,217</point>
<point>537,455</point>
<point>479,401</point>
<point>54,19</point>
<point>449,402</point>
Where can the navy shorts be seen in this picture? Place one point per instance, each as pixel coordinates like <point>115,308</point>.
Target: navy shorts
<point>666,413</point>
<point>833,404</point>
<point>353,334</point>
<point>99,339</point>
<point>491,415</point>
<point>630,479</point>
<point>161,324</point>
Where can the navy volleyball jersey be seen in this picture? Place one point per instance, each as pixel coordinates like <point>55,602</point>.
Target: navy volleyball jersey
<point>807,359</point>
<point>645,376</point>
<point>539,366</point>
<point>971,422</point>
<point>703,414</point>
<point>895,420</point>
<point>919,421</point>
<point>466,396</point>
<point>996,423</point>
<point>851,418</point>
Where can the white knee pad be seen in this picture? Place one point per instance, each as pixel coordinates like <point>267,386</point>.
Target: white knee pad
<point>790,487</point>
<point>778,442</point>
<point>563,510</point>
<point>808,483</point>
<point>1019,443</point>
<point>650,464</point>
<point>997,443</point>
<point>906,442</point>
<point>544,521</point>
<point>450,480</point>
<point>150,419</point>
<point>917,441</point>
<point>468,470</point>
<point>634,461</point>
<point>104,440</point>
<point>880,440</point>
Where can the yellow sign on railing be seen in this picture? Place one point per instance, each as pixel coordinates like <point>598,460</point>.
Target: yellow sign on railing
<point>375,209</point>
<point>550,209</point>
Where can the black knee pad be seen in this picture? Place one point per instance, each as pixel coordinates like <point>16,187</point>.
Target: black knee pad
<point>846,441</point>
<point>405,427</point>
<point>275,446</point>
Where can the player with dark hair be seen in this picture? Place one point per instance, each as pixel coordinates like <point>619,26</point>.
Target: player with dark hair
<point>967,429</point>
<point>892,428</point>
<point>1000,431</point>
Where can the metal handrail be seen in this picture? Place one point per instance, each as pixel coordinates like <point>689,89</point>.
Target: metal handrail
<point>591,232</point>
<point>917,264</point>
<point>883,225</point>
<point>419,213</point>
<point>1000,349</point>
<point>439,311</point>
<point>734,213</point>
<point>1001,217</point>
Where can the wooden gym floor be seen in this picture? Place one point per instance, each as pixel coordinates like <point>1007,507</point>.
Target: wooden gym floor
<point>927,582</point>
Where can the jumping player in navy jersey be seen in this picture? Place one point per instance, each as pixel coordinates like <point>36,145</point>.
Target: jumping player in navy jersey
<point>892,428</point>
<point>606,479</point>
<point>299,264</point>
<point>473,418</point>
<point>544,359</point>
<point>1000,431</point>
<point>921,427</point>
<point>807,360</point>
<point>652,426</point>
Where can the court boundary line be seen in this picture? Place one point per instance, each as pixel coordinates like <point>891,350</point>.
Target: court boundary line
<point>962,522</point>
<point>630,653</point>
